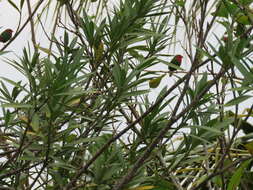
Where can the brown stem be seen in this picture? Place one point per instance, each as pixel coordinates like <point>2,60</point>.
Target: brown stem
<point>149,149</point>
<point>32,24</point>
<point>102,149</point>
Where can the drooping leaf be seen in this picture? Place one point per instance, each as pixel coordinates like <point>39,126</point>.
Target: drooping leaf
<point>237,100</point>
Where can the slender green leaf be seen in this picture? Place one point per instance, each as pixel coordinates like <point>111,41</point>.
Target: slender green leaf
<point>237,100</point>
<point>235,180</point>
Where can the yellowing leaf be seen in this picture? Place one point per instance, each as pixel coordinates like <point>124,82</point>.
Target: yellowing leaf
<point>23,118</point>
<point>32,133</point>
<point>143,187</point>
<point>74,102</point>
<point>187,169</point>
<point>154,83</point>
<point>45,50</point>
<point>99,50</point>
<point>247,110</point>
<point>91,185</point>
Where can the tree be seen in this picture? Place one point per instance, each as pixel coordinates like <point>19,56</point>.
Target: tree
<point>86,118</point>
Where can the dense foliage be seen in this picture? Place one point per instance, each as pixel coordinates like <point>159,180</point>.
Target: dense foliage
<point>103,107</point>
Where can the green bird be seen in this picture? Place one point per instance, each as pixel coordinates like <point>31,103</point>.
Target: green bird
<point>223,52</point>
<point>6,35</point>
<point>154,82</point>
<point>177,60</point>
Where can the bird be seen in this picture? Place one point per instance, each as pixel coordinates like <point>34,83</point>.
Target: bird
<point>6,35</point>
<point>98,51</point>
<point>177,60</point>
<point>154,82</point>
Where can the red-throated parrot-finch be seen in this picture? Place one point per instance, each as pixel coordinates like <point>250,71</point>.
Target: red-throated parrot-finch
<point>6,35</point>
<point>177,60</point>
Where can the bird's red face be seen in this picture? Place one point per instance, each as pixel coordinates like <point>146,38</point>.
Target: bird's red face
<point>9,31</point>
<point>179,58</point>
<point>225,38</point>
